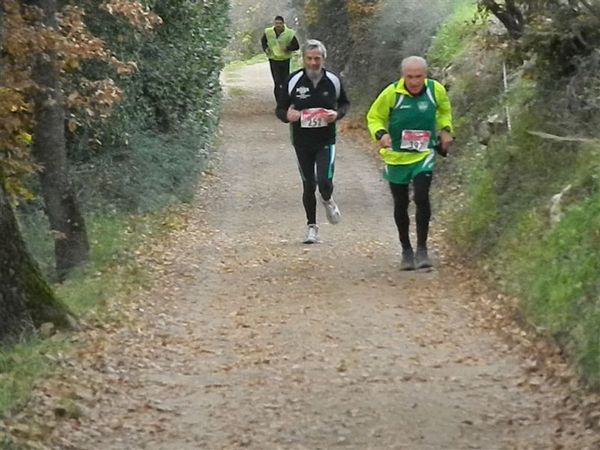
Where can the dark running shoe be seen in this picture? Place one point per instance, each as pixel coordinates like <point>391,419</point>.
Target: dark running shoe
<point>422,259</point>
<point>408,259</point>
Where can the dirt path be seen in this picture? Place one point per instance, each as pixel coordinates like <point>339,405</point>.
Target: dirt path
<point>253,340</point>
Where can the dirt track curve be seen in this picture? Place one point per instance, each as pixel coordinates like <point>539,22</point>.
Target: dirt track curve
<point>254,340</point>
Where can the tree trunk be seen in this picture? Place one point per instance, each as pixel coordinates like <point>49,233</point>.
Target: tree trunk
<point>71,245</point>
<point>14,317</point>
<point>26,300</point>
<point>509,14</point>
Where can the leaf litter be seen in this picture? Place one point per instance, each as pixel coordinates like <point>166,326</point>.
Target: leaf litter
<point>250,340</point>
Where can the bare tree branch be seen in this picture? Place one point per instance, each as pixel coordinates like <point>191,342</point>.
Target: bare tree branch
<point>554,137</point>
<point>509,14</point>
<point>595,10</point>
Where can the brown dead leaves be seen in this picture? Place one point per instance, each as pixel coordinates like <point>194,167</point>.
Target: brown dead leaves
<point>545,368</point>
<point>137,14</point>
<point>25,37</point>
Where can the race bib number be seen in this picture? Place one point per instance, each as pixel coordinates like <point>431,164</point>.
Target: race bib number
<point>313,118</point>
<point>415,140</point>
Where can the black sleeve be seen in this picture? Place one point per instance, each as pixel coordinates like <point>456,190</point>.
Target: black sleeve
<point>263,42</point>
<point>283,103</point>
<point>342,103</point>
<point>293,45</point>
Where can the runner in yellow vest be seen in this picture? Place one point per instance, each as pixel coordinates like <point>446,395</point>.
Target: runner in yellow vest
<point>410,119</point>
<point>279,43</point>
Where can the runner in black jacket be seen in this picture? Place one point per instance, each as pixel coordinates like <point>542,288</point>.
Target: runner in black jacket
<point>313,99</point>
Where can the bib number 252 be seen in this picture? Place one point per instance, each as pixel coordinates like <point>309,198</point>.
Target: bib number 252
<point>313,118</point>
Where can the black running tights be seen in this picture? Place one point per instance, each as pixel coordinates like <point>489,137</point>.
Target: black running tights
<point>279,71</point>
<point>321,157</point>
<point>421,184</point>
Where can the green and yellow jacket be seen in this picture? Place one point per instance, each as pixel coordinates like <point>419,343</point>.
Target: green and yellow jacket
<point>279,48</point>
<point>396,110</point>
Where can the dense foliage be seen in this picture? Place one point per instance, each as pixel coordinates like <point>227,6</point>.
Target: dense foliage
<point>528,210</point>
<point>138,92</point>
<point>367,39</point>
<point>141,99</point>
<point>557,46</point>
<point>23,39</point>
<point>149,151</point>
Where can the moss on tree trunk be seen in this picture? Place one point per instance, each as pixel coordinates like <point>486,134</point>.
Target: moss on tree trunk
<point>26,299</point>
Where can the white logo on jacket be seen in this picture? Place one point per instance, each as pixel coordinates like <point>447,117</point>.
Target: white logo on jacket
<point>302,92</point>
<point>423,106</point>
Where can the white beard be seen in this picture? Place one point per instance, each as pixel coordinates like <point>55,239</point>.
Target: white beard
<point>314,75</point>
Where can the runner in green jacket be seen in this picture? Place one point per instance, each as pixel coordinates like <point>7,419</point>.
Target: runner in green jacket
<point>409,119</point>
<point>279,43</point>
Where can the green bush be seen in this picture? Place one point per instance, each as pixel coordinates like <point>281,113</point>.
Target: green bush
<point>476,225</point>
<point>504,214</point>
<point>454,35</point>
<point>153,171</point>
<point>148,151</point>
<point>558,273</point>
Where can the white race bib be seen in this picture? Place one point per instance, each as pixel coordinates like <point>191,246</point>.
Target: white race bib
<point>415,140</point>
<point>313,118</point>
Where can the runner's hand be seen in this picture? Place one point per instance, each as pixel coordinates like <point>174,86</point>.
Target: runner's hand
<point>445,140</point>
<point>293,115</point>
<point>385,141</point>
<point>331,115</point>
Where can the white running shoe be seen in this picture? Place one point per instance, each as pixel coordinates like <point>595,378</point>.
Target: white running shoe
<point>312,235</point>
<point>331,211</point>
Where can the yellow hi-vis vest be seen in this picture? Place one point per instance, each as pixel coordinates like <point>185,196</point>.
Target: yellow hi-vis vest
<point>277,45</point>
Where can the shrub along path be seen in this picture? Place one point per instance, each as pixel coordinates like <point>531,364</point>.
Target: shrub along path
<point>250,339</point>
